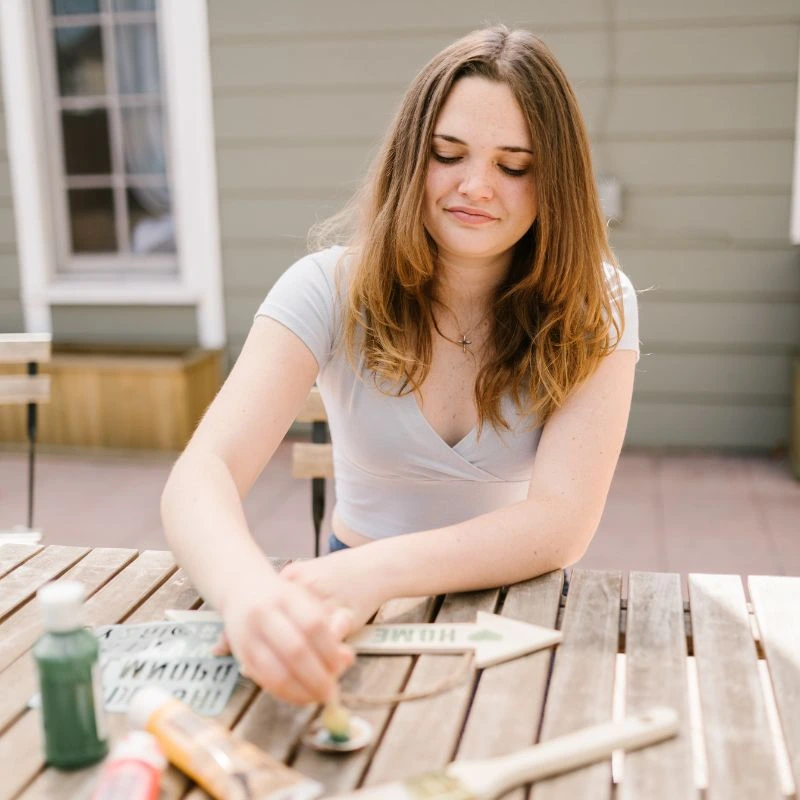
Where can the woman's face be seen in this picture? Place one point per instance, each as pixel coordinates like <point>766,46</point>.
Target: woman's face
<point>480,197</point>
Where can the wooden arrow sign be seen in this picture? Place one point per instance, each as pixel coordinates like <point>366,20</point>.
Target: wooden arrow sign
<point>493,638</point>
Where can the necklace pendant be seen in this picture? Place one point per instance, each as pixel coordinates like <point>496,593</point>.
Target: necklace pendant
<point>464,342</point>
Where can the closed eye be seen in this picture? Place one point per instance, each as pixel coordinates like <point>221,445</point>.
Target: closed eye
<point>514,173</point>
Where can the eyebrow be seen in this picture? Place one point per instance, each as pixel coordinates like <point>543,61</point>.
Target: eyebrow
<point>506,148</point>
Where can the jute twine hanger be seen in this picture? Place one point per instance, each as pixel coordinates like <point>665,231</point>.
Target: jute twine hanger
<point>354,699</point>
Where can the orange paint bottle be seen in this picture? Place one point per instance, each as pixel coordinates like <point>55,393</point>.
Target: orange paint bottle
<point>227,767</point>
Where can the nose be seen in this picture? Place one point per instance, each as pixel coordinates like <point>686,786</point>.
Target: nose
<point>476,181</point>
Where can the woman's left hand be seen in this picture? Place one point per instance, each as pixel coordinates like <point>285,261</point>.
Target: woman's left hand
<point>344,579</point>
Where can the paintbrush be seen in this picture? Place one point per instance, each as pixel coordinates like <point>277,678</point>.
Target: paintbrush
<point>336,719</point>
<point>488,778</point>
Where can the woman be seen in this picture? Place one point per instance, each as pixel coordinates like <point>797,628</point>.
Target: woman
<point>475,347</point>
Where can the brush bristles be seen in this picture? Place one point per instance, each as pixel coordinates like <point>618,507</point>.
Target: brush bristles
<point>336,720</point>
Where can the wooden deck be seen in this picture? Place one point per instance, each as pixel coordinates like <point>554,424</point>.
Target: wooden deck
<point>666,513</point>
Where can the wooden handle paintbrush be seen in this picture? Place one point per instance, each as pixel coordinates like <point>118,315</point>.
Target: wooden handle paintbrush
<point>488,778</point>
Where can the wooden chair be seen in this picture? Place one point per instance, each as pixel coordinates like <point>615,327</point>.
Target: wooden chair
<point>314,459</point>
<point>27,388</point>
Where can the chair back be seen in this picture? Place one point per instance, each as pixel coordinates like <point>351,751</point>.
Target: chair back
<point>314,459</point>
<point>31,349</point>
<point>25,387</point>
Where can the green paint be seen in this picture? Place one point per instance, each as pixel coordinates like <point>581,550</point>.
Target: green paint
<point>67,663</point>
<point>69,680</point>
<point>485,635</point>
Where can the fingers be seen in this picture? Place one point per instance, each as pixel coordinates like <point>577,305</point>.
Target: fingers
<point>315,625</point>
<point>266,669</point>
<point>342,622</point>
<point>291,645</point>
<point>221,647</point>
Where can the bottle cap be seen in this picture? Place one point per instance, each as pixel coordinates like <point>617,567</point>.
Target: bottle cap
<point>145,703</point>
<point>140,746</point>
<point>61,605</point>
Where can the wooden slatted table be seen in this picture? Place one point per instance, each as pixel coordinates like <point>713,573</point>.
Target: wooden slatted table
<point>730,668</point>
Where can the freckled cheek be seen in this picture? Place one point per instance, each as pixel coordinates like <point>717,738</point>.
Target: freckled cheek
<point>437,184</point>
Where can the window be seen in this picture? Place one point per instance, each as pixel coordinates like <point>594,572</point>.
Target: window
<point>106,120</point>
<point>190,273</point>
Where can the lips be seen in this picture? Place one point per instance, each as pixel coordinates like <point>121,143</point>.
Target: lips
<point>471,215</point>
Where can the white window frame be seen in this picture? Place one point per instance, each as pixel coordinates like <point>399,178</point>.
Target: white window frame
<point>183,30</point>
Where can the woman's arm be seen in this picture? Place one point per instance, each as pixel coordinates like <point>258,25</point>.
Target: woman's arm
<point>575,462</point>
<point>269,622</point>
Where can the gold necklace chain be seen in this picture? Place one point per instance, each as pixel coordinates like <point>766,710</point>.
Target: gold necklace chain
<point>463,342</point>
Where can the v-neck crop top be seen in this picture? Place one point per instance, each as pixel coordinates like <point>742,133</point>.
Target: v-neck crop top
<point>394,474</point>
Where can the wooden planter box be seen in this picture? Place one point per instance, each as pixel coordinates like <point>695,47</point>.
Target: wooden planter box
<point>121,398</point>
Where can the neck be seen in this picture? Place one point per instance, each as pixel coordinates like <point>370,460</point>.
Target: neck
<point>469,285</point>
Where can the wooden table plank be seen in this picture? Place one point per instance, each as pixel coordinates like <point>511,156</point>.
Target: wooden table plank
<point>582,684</point>
<point>507,708</point>
<point>21,743</point>
<point>741,761</point>
<point>655,661</point>
<point>369,676</point>
<point>776,601</point>
<point>423,735</point>
<point>22,629</point>
<point>21,584</point>
<point>12,555</point>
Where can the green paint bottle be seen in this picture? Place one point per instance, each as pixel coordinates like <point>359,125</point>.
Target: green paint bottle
<point>66,655</point>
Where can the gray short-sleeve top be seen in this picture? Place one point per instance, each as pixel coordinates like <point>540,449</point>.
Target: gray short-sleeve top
<point>394,474</point>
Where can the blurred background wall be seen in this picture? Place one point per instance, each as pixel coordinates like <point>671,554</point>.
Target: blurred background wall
<point>690,106</point>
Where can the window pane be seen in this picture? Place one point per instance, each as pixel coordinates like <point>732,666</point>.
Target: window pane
<point>143,137</point>
<point>75,7</point>
<point>137,59</point>
<point>91,213</point>
<point>134,5</point>
<point>86,146</point>
<point>150,214</point>
<point>79,54</point>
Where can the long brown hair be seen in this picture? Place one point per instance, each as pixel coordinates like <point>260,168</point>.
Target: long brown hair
<point>553,312</point>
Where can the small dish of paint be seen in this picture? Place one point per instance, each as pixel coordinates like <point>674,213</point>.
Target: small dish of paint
<point>320,738</point>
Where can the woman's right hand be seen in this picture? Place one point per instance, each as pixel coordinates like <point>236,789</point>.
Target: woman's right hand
<point>285,638</point>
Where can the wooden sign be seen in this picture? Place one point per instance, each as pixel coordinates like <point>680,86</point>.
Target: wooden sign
<point>493,638</point>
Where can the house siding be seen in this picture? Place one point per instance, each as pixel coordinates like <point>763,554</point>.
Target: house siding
<point>690,104</point>
<point>11,316</point>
